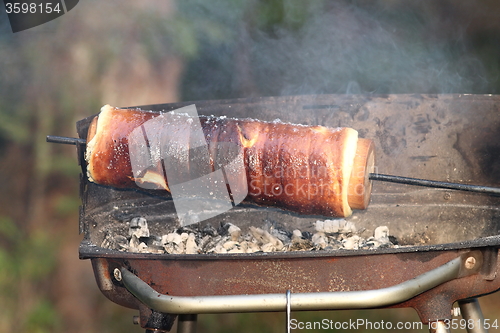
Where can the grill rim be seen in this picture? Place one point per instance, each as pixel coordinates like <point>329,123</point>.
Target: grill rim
<point>90,251</point>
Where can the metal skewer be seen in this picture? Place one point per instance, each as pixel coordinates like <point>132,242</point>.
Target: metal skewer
<point>66,140</point>
<point>372,176</point>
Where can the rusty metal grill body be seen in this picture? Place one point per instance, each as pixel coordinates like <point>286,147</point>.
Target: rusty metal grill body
<point>442,137</point>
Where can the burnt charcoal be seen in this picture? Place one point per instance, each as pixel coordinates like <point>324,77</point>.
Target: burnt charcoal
<point>234,232</point>
<point>209,230</point>
<point>385,246</point>
<point>330,235</point>
<point>335,226</point>
<point>351,243</point>
<point>210,243</point>
<point>152,240</point>
<point>187,230</point>
<point>191,247</point>
<point>278,230</point>
<point>307,235</point>
<point>115,242</point>
<point>138,227</point>
<point>205,242</point>
<point>319,240</point>
<point>299,243</point>
<point>281,234</point>
<point>134,244</point>
<point>334,247</point>
<point>223,229</point>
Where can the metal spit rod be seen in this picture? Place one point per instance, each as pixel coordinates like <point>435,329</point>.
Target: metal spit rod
<point>372,176</point>
<point>65,140</point>
<point>434,183</point>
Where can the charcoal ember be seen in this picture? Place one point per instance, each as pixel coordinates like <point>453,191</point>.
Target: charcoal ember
<point>191,246</point>
<point>223,230</point>
<point>184,236</point>
<point>381,234</point>
<point>393,240</point>
<point>281,234</point>
<point>203,242</point>
<point>241,248</point>
<point>209,230</point>
<point>319,240</point>
<point>307,235</point>
<point>229,245</point>
<point>329,235</point>
<point>172,237</point>
<point>268,242</point>
<point>219,248</point>
<point>258,235</point>
<point>173,243</point>
<point>154,244</point>
<point>299,243</point>
<point>208,244</point>
<point>348,227</point>
<point>234,232</point>
<point>234,247</point>
<point>334,245</point>
<point>156,249</point>
<point>279,231</point>
<point>381,238</point>
<point>152,240</point>
<point>335,226</point>
<point>172,248</point>
<point>134,244</point>
<point>138,227</point>
<point>186,229</point>
<point>252,247</point>
<point>143,248</point>
<point>352,243</point>
<point>151,248</point>
<point>271,247</point>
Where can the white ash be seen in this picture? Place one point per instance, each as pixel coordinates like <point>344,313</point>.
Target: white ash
<point>330,235</point>
<point>335,226</point>
<point>138,227</point>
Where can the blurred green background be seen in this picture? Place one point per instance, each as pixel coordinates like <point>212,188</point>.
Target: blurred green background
<point>128,53</point>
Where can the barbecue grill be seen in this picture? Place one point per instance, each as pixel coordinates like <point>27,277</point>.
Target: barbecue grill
<point>448,240</point>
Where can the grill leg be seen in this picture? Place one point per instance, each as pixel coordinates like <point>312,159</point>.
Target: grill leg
<point>187,323</point>
<point>438,327</point>
<point>471,312</point>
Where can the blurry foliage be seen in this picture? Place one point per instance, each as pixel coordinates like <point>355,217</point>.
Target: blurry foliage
<point>26,260</point>
<point>279,14</point>
<point>43,318</point>
<point>179,33</point>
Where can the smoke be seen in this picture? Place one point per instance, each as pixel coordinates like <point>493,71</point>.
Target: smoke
<point>289,48</point>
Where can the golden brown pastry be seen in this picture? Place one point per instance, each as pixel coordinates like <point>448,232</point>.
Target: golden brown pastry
<point>305,169</point>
